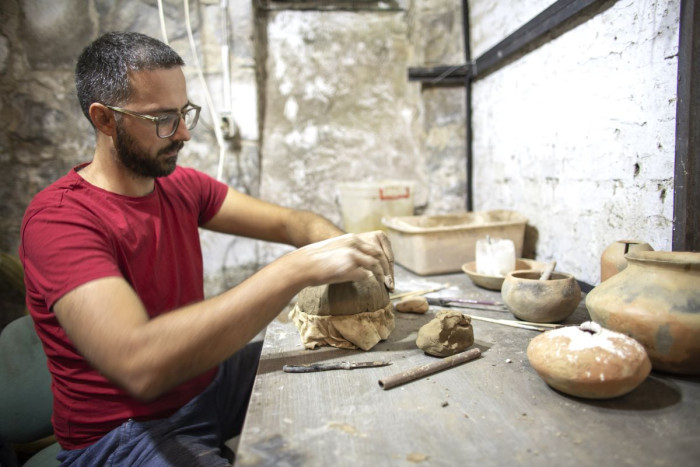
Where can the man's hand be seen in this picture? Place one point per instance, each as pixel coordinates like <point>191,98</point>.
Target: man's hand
<point>349,257</point>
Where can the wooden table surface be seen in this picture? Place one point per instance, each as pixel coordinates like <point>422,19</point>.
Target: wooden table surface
<point>494,410</point>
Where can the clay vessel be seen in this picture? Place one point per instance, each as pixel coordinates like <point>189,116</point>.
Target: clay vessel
<point>540,301</point>
<point>613,259</point>
<point>346,298</point>
<point>655,300</point>
<point>589,361</point>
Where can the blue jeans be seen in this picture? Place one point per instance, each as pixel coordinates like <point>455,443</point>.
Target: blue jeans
<point>192,436</point>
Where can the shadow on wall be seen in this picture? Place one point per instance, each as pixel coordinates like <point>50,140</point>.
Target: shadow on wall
<point>530,241</point>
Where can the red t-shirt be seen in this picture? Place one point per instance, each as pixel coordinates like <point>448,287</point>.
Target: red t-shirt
<point>74,232</point>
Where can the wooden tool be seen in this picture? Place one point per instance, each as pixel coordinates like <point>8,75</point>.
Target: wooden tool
<point>547,271</point>
<point>428,369</point>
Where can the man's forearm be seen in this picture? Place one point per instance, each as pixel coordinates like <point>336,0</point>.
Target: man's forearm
<point>305,227</point>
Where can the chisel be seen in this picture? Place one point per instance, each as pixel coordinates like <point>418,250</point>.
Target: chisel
<point>307,368</point>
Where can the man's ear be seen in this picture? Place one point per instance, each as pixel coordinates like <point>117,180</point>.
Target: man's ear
<point>102,118</point>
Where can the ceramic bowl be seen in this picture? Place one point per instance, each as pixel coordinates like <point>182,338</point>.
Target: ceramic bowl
<point>495,282</point>
<point>540,301</point>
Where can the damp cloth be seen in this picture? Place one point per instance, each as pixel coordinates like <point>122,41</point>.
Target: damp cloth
<point>361,330</point>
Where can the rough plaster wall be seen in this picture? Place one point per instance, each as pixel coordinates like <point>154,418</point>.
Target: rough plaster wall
<point>339,107</point>
<point>44,133</point>
<point>579,134</point>
<point>352,95</point>
<point>572,172</point>
<point>437,39</point>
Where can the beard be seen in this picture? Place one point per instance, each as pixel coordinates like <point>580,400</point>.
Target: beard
<point>139,162</point>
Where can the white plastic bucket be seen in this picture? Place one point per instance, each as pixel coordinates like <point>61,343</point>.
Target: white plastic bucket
<point>363,204</point>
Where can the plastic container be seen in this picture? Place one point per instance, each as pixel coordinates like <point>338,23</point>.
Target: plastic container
<point>442,244</point>
<point>363,204</point>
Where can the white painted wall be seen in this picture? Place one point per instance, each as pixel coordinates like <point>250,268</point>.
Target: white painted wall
<point>579,135</point>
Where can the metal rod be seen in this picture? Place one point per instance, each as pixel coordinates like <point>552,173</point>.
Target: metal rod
<point>469,204</point>
<point>417,292</point>
<point>428,369</point>
<point>519,324</point>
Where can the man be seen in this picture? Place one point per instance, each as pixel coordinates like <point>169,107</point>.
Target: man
<point>145,371</point>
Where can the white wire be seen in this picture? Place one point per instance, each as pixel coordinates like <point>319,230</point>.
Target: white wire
<point>207,96</point>
<point>162,22</point>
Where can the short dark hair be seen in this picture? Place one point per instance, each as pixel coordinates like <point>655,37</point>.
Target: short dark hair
<point>102,71</point>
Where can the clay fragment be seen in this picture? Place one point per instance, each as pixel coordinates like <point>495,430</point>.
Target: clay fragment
<point>412,304</point>
<point>450,332</point>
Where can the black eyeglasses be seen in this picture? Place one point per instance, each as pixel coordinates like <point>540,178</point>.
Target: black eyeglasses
<point>166,123</point>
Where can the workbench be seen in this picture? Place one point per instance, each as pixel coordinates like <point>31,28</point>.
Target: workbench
<point>494,410</point>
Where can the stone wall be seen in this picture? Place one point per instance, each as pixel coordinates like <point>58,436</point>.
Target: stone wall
<point>578,135</point>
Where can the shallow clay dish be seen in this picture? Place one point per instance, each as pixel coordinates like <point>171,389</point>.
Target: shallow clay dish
<point>495,282</point>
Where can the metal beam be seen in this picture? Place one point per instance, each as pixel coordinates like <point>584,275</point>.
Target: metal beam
<point>686,191</point>
<point>553,21</point>
<point>529,36</point>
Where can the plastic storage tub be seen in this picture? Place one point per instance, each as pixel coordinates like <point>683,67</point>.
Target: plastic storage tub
<point>442,244</point>
<point>364,204</point>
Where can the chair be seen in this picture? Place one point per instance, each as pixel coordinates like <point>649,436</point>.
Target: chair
<point>25,394</point>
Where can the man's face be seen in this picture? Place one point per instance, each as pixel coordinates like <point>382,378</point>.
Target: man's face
<point>138,159</point>
<point>137,146</point>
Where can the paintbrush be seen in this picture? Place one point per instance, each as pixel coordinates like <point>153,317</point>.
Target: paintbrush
<point>464,303</point>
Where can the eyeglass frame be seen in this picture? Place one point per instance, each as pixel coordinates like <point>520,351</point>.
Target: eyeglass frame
<point>157,120</point>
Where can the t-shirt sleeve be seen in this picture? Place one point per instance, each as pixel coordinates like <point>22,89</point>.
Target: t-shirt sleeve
<point>207,192</point>
<point>62,251</point>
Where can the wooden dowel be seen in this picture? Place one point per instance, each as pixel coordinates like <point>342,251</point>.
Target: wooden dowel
<point>428,369</point>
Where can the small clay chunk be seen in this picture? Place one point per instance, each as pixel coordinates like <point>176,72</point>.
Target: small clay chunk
<point>450,332</point>
<point>412,304</point>
<point>589,361</point>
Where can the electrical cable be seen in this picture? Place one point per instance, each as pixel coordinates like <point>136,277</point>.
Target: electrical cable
<point>162,22</point>
<point>214,115</point>
<point>207,96</point>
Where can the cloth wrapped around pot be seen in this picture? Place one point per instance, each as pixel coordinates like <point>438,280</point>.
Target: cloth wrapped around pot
<point>350,315</point>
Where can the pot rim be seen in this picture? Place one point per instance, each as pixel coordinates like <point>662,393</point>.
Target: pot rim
<point>566,277</point>
<point>670,257</point>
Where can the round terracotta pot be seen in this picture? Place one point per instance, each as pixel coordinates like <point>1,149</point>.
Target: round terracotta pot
<point>613,259</point>
<point>540,301</point>
<point>655,300</point>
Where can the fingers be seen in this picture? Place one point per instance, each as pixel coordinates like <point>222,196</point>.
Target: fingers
<point>353,257</point>
<point>389,255</point>
<point>379,239</point>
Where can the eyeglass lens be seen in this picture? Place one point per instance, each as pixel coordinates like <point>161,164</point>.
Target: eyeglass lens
<point>167,125</point>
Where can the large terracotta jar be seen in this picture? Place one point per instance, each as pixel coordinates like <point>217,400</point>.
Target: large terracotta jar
<point>655,300</point>
<point>613,259</point>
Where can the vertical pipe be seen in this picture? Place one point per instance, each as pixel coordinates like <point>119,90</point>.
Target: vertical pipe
<point>468,104</point>
<point>225,58</point>
<point>686,191</point>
